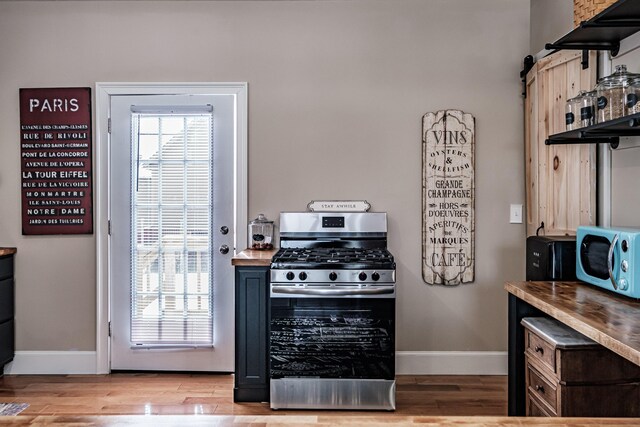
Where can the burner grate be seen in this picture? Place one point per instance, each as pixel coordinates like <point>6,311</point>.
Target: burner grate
<point>331,257</point>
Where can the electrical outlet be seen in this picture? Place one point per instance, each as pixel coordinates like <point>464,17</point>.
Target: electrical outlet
<point>515,215</point>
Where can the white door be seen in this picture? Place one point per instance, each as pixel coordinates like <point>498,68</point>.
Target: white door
<point>171,195</point>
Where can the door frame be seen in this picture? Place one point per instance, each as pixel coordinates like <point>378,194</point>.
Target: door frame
<point>104,92</point>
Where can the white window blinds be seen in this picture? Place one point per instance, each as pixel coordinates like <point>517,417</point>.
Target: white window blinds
<point>171,217</point>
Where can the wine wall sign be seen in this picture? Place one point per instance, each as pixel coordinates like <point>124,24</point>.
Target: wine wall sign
<point>448,200</point>
<point>55,147</point>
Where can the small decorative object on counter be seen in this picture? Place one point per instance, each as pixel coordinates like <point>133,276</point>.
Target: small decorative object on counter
<point>261,233</point>
<point>580,110</point>
<point>632,96</point>
<point>611,94</point>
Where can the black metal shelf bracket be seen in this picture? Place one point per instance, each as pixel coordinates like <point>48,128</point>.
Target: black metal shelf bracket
<point>613,141</point>
<point>613,47</point>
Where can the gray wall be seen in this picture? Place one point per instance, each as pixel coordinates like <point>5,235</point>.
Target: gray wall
<point>625,161</point>
<point>337,90</point>
<point>550,20</point>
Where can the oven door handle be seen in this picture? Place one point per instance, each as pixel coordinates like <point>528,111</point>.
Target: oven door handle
<point>331,292</point>
<point>610,261</point>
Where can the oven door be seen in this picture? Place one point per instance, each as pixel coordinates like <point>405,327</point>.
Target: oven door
<point>332,353</point>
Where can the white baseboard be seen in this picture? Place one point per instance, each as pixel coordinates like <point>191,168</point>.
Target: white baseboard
<point>52,362</point>
<point>451,362</point>
<point>407,363</point>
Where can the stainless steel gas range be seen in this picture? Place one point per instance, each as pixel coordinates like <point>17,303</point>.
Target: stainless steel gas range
<point>332,305</point>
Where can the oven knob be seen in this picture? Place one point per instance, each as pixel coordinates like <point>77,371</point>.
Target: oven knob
<point>623,284</point>
<point>375,276</point>
<point>362,276</point>
<point>333,275</point>
<point>624,266</point>
<point>290,275</point>
<point>625,246</point>
<point>302,276</point>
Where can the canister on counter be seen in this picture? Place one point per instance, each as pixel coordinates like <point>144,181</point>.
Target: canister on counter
<point>261,233</point>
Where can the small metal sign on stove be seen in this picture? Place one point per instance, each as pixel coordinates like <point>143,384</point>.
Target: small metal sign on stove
<point>448,220</point>
<point>339,206</point>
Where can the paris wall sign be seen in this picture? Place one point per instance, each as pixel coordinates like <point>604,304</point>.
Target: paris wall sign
<point>55,151</point>
<point>448,200</point>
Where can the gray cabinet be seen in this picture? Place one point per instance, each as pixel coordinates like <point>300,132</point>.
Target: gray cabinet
<point>7,343</point>
<point>252,335</point>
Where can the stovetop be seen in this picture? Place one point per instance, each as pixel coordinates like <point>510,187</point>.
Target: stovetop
<point>333,258</point>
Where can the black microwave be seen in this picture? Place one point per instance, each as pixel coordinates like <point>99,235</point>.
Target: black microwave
<point>551,258</point>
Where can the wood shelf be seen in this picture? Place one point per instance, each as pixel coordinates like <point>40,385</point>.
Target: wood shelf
<point>605,132</point>
<point>605,30</point>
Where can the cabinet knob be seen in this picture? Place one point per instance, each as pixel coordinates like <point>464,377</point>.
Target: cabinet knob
<point>224,229</point>
<point>540,388</point>
<point>539,349</point>
<point>224,249</point>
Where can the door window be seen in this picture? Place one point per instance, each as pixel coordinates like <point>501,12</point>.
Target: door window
<point>171,292</point>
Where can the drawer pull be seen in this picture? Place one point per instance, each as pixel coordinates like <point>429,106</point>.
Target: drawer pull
<point>540,388</point>
<point>539,349</point>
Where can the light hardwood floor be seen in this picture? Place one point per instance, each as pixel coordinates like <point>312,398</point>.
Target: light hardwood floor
<point>178,394</point>
<point>173,400</point>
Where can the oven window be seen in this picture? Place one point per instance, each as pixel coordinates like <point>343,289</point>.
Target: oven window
<point>332,338</point>
<point>594,251</point>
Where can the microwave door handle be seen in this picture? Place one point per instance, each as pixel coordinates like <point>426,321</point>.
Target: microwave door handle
<point>610,262</point>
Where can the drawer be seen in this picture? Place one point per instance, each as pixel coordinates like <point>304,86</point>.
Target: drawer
<point>6,267</point>
<point>542,389</point>
<point>535,409</point>
<point>541,350</point>
<point>6,299</point>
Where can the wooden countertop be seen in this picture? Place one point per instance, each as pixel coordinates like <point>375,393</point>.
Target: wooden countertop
<point>253,258</point>
<point>607,318</point>
<point>7,251</point>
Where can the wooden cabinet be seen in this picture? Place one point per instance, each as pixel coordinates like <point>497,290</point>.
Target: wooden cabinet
<point>7,342</point>
<point>569,375</point>
<point>560,179</point>
<point>252,335</point>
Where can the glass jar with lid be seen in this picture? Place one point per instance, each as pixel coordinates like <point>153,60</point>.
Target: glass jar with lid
<point>610,92</point>
<point>632,96</point>
<point>261,233</point>
<point>571,113</point>
<point>580,110</point>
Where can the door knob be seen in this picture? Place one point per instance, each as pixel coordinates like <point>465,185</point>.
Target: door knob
<point>224,249</point>
<point>224,229</point>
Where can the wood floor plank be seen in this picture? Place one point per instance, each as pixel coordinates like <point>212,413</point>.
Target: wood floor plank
<point>159,393</point>
<point>302,420</point>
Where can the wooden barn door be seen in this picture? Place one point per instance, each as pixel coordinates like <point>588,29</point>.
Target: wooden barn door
<point>560,179</point>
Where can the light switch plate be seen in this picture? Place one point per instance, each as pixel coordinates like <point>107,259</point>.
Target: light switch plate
<point>515,214</point>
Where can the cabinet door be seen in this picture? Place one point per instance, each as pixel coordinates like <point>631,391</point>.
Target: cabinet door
<point>560,179</point>
<point>252,329</point>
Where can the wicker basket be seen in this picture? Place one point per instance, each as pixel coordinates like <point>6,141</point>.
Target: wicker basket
<point>586,9</point>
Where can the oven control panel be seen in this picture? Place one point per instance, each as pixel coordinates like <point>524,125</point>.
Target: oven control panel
<point>333,276</point>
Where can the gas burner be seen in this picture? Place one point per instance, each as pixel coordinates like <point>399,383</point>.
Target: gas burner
<point>344,258</point>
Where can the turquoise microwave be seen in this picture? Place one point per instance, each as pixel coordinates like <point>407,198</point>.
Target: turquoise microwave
<point>609,258</point>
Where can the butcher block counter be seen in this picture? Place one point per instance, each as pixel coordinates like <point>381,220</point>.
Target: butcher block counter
<point>7,251</point>
<point>253,258</point>
<point>607,318</point>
